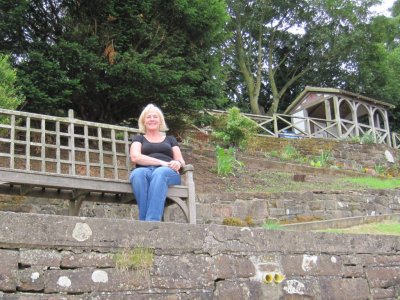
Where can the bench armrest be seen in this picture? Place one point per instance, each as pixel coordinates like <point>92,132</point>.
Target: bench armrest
<point>187,168</point>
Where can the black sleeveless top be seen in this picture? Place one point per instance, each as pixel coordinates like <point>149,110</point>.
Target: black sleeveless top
<point>161,151</point>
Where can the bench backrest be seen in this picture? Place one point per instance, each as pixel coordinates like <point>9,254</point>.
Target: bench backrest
<point>64,146</point>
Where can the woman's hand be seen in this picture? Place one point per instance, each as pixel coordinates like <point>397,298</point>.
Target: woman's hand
<point>175,165</point>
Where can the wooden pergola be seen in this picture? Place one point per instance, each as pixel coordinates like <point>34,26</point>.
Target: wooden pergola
<point>341,113</point>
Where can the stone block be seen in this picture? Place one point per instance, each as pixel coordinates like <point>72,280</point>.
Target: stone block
<point>247,290</point>
<point>227,267</point>
<point>299,288</point>
<point>256,209</point>
<point>39,257</point>
<point>337,214</point>
<point>276,212</point>
<point>92,259</point>
<point>331,205</point>
<point>383,277</point>
<point>386,293</point>
<point>353,271</point>
<point>344,288</point>
<point>87,280</point>
<point>8,270</point>
<point>312,265</point>
<point>31,279</point>
<point>221,210</point>
<point>296,210</point>
<point>316,205</point>
<point>184,271</point>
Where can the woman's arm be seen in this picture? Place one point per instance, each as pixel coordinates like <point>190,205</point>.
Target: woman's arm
<point>138,158</point>
<point>177,155</point>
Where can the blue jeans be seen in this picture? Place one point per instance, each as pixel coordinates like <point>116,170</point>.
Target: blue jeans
<point>150,186</point>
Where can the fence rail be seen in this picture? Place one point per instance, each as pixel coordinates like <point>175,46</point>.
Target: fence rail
<point>281,125</point>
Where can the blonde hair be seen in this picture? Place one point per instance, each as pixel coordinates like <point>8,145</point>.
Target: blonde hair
<point>146,110</point>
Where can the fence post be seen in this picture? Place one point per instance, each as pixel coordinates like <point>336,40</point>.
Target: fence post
<point>71,142</point>
<point>275,122</point>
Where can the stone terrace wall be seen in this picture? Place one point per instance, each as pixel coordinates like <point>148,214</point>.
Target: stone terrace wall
<point>351,155</point>
<point>212,208</point>
<point>55,257</point>
<point>297,206</point>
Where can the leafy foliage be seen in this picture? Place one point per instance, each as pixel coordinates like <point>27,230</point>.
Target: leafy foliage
<point>323,160</point>
<point>279,47</point>
<point>226,161</point>
<point>108,59</point>
<point>234,129</point>
<point>289,152</point>
<point>10,96</point>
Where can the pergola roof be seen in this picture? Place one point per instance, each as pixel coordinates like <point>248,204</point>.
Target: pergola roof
<point>355,96</point>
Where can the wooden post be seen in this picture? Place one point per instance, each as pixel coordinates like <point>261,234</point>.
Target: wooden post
<point>192,196</point>
<point>387,128</point>
<point>337,116</point>
<point>275,122</point>
<point>71,142</point>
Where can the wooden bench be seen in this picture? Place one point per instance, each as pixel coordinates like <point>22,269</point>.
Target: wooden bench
<point>67,158</point>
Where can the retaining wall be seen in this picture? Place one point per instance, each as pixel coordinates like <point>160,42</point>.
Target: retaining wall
<point>297,206</point>
<point>56,257</point>
<point>350,155</point>
<point>212,208</point>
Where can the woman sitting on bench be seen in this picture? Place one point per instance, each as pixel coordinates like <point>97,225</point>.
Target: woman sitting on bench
<point>158,160</point>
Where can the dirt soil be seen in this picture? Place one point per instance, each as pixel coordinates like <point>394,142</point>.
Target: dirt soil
<point>260,174</point>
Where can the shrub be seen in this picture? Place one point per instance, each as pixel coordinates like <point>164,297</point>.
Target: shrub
<point>234,129</point>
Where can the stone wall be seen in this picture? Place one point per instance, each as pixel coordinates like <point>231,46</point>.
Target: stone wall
<point>351,155</point>
<point>212,208</point>
<point>297,207</point>
<point>56,257</point>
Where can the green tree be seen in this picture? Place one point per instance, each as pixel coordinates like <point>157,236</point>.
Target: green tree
<point>10,97</point>
<point>107,59</point>
<point>277,43</point>
<point>376,68</point>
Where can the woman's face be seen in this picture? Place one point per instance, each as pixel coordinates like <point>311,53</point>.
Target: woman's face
<point>152,120</point>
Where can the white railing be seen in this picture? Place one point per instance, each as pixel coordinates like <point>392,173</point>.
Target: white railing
<point>280,125</point>
<point>396,140</point>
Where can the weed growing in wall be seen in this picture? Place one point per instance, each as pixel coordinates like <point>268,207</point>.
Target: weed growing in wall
<point>139,258</point>
<point>233,221</point>
<point>272,224</point>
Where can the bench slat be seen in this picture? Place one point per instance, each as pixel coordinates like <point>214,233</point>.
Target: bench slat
<point>80,183</point>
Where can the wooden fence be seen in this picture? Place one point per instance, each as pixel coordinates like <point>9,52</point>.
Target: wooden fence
<point>291,126</point>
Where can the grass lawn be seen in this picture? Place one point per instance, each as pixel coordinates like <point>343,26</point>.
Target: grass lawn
<point>277,182</point>
<point>387,228</point>
<point>375,183</point>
